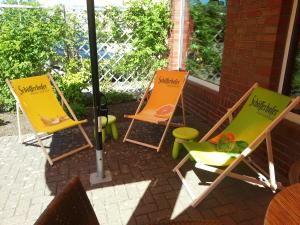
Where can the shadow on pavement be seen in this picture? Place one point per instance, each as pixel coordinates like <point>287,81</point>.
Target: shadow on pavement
<point>144,189</point>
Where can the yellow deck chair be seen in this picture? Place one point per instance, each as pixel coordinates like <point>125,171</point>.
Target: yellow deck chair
<point>161,105</point>
<point>36,98</point>
<point>262,111</point>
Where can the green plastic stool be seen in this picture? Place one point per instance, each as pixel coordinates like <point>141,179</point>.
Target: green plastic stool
<point>111,127</point>
<point>182,135</point>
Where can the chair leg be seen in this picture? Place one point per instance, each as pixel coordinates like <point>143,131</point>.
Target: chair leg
<point>176,148</point>
<point>200,198</point>
<point>128,131</point>
<point>85,135</point>
<point>163,136</point>
<point>180,164</point>
<point>19,124</point>
<point>213,185</point>
<point>217,181</point>
<point>271,163</point>
<point>44,150</point>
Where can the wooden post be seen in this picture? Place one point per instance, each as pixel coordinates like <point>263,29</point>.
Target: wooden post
<point>19,123</point>
<point>271,162</point>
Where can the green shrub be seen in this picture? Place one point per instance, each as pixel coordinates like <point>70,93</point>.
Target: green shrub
<point>115,97</point>
<point>27,40</point>
<point>295,90</point>
<point>148,22</point>
<point>73,83</point>
<point>206,45</point>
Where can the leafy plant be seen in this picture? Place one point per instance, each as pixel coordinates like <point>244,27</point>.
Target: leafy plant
<point>36,40</point>
<point>148,24</point>
<point>73,83</point>
<point>206,45</point>
<point>27,38</point>
<point>295,90</point>
<point>73,37</point>
<point>115,97</point>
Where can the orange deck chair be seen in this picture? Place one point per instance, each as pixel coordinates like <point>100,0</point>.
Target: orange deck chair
<point>161,105</point>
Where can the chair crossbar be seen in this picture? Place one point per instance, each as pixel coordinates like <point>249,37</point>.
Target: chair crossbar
<point>33,139</point>
<point>237,176</point>
<point>71,152</point>
<point>141,143</point>
<point>254,166</point>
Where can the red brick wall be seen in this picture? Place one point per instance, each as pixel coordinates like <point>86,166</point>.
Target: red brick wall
<point>255,37</point>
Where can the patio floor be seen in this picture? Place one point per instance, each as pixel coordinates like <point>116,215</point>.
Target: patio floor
<point>144,189</point>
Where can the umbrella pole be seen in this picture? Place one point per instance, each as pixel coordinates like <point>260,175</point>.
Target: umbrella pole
<point>100,176</point>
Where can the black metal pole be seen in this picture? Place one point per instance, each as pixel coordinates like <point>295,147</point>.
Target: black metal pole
<point>95,82</point>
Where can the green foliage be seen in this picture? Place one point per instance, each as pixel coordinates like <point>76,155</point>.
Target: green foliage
<point>206,46</point>
<point>27,38</point>
<point>296,75</point>
<point>111,22</point>
<point>72,37</point>
<point>115,97</point>
<point>295,82</point>
<point>73,83</point>
<point>149,23</point>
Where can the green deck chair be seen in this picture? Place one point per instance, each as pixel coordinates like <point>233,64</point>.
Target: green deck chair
<point>253,124</point>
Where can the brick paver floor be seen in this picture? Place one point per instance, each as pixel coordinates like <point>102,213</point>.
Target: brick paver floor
<point>144,189</point>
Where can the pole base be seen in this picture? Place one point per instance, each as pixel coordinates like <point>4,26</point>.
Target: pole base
<point>94,179</point>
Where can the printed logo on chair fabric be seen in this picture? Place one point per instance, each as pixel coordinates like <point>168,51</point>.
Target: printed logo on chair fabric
<point>264,108</point>
<point>32,89</point>
<point>164,111</point>
<point>168,81</point>
<point>226,142</point>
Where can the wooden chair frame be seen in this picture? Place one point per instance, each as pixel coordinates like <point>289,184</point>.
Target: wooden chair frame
<point>38,137</point>
<point>167,123</point>
<point>266,179</point>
